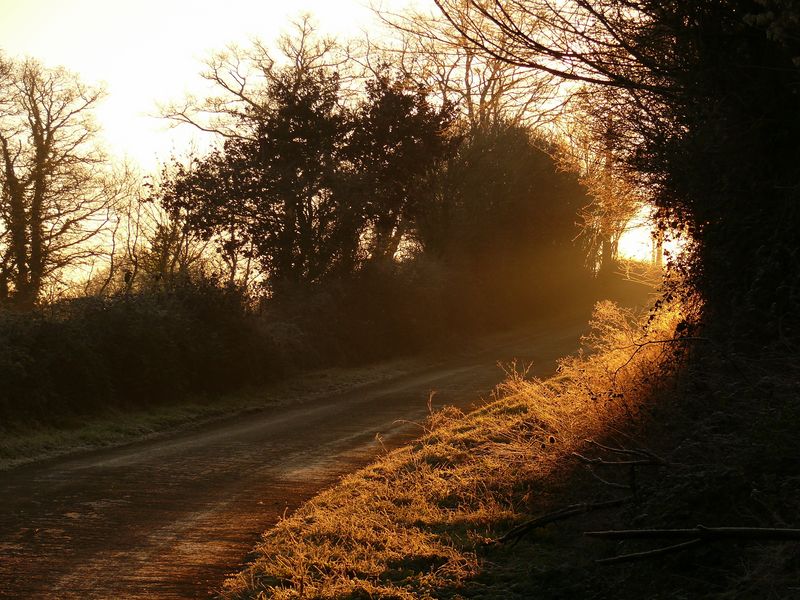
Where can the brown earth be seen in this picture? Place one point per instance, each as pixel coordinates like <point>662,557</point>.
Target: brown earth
<point>168,518</point>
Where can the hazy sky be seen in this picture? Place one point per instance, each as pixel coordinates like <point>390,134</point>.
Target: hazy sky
<point>149,51</point>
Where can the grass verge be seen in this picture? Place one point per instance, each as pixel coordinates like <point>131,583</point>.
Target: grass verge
<point>416,524</point>
<point>713,431</point>
<point>31,441</point>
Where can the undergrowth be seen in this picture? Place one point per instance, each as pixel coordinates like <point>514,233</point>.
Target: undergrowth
<point>419,522</point>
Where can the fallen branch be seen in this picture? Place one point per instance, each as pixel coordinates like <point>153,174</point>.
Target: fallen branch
<point>613,484</point>
<point>699,535</point>
<point>701,532</point>
<point>650,553</point>
<point>615,463</point>
<point>515,534</point>
<point>640,458</point>
<point>636,452</point>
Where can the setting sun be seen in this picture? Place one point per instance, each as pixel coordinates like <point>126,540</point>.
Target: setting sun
<point>636,243</point>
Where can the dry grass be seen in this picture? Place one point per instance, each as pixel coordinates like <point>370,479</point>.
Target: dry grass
<point>415,524</point>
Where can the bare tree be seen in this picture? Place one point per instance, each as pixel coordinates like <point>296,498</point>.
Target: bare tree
<point>241,78</point>
<point>56,196</point>
<point>616,199</point>
<point>163,246</point>
<point>431,53</point>
<point>145,244</point>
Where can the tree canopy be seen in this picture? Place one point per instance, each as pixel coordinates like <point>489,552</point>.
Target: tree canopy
<point>316,187</point>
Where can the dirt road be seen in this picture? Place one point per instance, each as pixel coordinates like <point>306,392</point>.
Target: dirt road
<point>168,518</point>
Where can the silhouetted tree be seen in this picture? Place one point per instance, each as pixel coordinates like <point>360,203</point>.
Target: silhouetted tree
<point>615,199</point>
<point>56,195</point>
<point>214,198</point>
<point>302,231</point>
<point>502,194</point>
<point>428,51</point>
<point>240,79</point>
<point>269,192</point>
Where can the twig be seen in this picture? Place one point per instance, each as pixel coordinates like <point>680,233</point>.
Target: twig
<point>664,341</point>
<point>619,486</point>
<point>650,553</point>
<point>614,463</point>
<point>698,535</point>
<point>705,533</point>
<point>515,534</point>
<point>635,452</point>
<point>611,449</point>
<point>643,458</point>
<point>641,345</point>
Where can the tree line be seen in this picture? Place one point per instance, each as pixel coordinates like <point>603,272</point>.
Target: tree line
<point>329,161</point>
<point>331,165</point>
<point>357,204</point>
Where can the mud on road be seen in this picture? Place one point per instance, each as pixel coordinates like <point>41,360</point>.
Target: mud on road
<point>169,518</point>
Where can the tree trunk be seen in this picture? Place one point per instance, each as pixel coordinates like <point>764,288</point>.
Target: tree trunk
<point>658,248</point>
<point>607,257</point>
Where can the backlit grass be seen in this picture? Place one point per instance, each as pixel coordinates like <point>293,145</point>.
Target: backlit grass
<point>415,524</point>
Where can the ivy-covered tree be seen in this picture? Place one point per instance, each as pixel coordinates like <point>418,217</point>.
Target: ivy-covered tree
<point>398,139</point>
<point>303,230</point>
<point>502,194</point>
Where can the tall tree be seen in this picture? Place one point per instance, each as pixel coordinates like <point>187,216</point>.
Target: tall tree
<point>502,195</point>
<point>213,198</point>
<point>271,185</point>
<point>615,198</point>
<point>301,233</point>
<point>271,192</point>
<point>240,79</point>
<point>55,196</point>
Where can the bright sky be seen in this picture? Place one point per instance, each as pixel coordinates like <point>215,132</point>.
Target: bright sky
<point>150,51</point>
<point>636,243</point>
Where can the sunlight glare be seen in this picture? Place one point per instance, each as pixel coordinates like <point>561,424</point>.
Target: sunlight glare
<point>151,51</point>
<point>638,242</point>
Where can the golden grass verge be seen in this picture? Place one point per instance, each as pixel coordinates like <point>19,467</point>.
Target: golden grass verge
<point>412,525</point>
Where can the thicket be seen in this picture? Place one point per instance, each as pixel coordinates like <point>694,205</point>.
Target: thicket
<point>128,351</point>
<point>198,337</point>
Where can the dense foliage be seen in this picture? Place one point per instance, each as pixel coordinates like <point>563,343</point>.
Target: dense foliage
<point>319,189</point>
<point>96,353</point>
<point>699,102</point>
